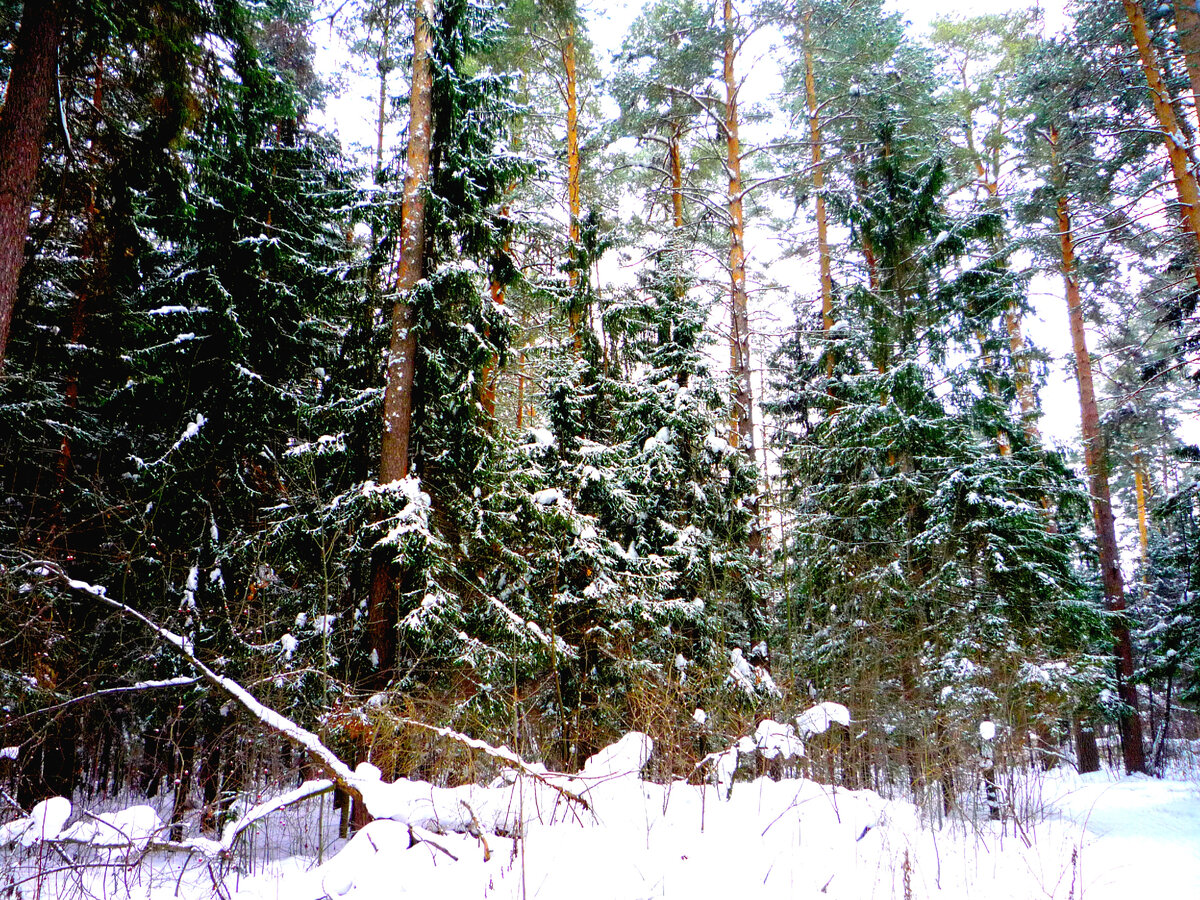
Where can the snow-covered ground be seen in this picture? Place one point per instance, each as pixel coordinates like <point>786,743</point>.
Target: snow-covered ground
<point>1094,837</point>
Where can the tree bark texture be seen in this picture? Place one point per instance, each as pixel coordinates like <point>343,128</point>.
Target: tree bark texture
<point>1139,478</point>
<point>742,430</point>
<point>22,133</point>
<point>1096,457</point>
<point>1186,188</point>
<point>818,178</point>
<point>402,352</point>
<point>1187,30</point>
<point>575,313</point>
<point>675,162</point>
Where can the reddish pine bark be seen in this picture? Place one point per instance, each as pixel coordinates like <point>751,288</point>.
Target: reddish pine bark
<point>22,132</point>
<point>1096,456</point>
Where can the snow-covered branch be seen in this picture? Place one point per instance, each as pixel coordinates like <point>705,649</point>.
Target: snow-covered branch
<point>401,800</point>
<point>503,754</point>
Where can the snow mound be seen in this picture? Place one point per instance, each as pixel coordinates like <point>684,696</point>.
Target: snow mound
<point>44,823</point>
<point>134,827</point>
<point>776,740</point>
<point>819,718</point>
<point>547,497</point>
<point>626,757</point>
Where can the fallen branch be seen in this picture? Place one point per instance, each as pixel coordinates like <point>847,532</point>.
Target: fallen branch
<point>223,848</point>
<point>417,835</point>
<point>297,734</point>
<point>182,681</point>
<point>363,784</point>
<point>549,779</point>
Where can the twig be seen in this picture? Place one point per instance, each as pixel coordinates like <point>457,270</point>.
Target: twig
<point>476,831</point>
<point>424,837</point>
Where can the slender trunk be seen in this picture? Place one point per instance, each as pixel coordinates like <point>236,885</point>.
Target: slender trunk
<point>1003,441</point>
<point>1097,463</point>
<point>22,131</point>
<point>742,430</point>
<point>521,391</point>
<point>487,378</point>
<point>1158,757</point>
<point>1185,180</point>
<point>675,161</point>
<point>384,66</point>
<point>818,177</point>
<point>92,250</point>
<point>402,353</point>
<point>575,311</point>
<point>1187,30</point>
<point>1139,478</point>
<point>989,180</point>
<point>1016,344</point>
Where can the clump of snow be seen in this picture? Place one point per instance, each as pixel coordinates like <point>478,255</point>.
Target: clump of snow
<point>134,827</point>
<point>717,444</point>
<point>626,757</point>
<point>368,771</point>
<point>9,752</point>
<point>540,437</point>
<point>547,497</point>
<point>750,679</point>
<point>44,823</point>
<point>775,740</point>
<point>289,644</point>
<point>700,717</point>
<point>818,719</point>
<point>987,730</point>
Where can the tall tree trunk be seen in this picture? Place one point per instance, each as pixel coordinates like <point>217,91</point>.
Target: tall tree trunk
<point>22,132</point>
<point>575,312</point>
<point>1187,30</point>
<point>675,163</point>
<point>1185,179</point>
<point>1096,456</point>
<point>742,432</point>
<point>402,353</point>
<point>1139,478</point>
<point>1016,345</point>
<point>818,178</point>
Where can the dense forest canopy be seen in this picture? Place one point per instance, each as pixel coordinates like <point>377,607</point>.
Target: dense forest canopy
<point>487,419</point>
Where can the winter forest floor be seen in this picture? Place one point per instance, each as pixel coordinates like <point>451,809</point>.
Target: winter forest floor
<point>1094,837</point>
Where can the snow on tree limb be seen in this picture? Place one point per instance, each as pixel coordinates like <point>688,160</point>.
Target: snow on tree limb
<point>295,733</point>
<point>396,800</point>
<point>504,755</point>
<point>182,681</point>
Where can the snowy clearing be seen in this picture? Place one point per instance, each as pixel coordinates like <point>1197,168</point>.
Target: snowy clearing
<point>1095,837</point>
